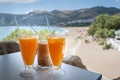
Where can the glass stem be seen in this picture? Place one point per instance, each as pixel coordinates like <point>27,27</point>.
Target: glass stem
<point>28,66</point>
<point>57,67</point>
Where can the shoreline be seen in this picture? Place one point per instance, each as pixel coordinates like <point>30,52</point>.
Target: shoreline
<point>105,62</point>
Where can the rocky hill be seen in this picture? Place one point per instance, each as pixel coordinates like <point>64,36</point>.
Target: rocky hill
<point>58,17</point>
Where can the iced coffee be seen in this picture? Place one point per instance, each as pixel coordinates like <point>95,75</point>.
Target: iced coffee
<point>43,55</point>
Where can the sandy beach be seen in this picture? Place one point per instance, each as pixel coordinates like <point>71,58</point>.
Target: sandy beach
<point>105,62</point>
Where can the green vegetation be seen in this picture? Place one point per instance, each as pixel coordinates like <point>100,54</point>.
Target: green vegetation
<point>102,42</point>
<point>14,35</point>
<point>43,33</point>
<point>104,26</point>
<point>107,46</point>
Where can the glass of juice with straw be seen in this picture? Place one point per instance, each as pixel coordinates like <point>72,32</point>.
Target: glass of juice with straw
<point>28,46</point>
<point>28,43</point>
<point>56,45</point>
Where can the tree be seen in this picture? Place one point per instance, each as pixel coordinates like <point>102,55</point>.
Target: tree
<point>14,35</point>
<point>104,26</point>
<point>101,20</point>
<point>92,29</point>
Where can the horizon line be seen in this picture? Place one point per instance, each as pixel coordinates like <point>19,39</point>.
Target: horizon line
<point>27,12</point>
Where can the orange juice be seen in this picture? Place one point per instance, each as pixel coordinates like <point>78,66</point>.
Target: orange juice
<point>28,48</point>
<point>56,46</point>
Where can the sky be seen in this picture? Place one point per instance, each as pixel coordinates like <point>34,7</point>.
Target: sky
<point>26,6</point>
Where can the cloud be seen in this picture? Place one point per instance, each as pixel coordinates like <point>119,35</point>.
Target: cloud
<point>17,1</point>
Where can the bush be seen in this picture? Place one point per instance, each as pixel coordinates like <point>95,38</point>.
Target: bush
<point>104,26</point>
<point>102,42</point>
<point>107,46</point>
<point>104,33</point>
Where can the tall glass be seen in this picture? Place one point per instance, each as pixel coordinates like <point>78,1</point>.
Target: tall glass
<point>28,46</point>
<point>44,62</point>
<point>56,45</point>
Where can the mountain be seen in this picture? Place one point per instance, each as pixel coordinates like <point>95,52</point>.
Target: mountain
<point>58,17</point>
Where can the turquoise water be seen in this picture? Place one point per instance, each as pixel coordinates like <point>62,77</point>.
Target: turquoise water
<point>6,30</point>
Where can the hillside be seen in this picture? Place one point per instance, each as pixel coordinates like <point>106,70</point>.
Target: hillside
<point>78,17</point>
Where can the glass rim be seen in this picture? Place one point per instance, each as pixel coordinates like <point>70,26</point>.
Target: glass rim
<point>28,35</point>
<point>57,35</point>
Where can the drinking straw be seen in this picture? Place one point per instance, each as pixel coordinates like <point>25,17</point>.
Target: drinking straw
<point>17,24</point>
<point>48,25</point>
<point>32,28</point>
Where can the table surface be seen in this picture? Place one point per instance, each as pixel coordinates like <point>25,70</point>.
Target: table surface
<point>11,65</point>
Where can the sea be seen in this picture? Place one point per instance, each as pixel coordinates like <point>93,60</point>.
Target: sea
<point>6,30</point>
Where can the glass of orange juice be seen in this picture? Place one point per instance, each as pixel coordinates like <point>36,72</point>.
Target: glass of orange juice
<point>28,46</point>
<point>56,45</point>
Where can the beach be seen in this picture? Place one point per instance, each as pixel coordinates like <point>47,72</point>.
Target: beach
<point>105,62</point>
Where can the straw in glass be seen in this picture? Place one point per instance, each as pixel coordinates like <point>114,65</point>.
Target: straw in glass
<point>17,24</point>
<point>48,25</point>
<point>32,28</point>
